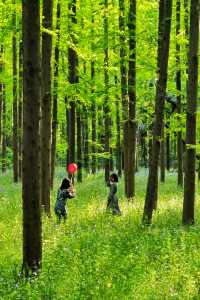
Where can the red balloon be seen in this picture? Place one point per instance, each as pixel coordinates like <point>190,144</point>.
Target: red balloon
<point>72,168</point>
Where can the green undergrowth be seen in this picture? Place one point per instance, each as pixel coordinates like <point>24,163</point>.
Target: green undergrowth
<point>98,256</point>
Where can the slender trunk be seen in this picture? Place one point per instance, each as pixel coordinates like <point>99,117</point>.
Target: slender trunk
<point>162,67</point>
<point>47,13</point>
<point>20,108</point>
<point>130,127</point>
<point>1,92</point>
<point>79,145</point>
<point>55,96</point>
<point>4,127</point>
<point>168,151</point>
<point>162,157</point>
<point>124,83</point>
<point>15,114</point>
<point>107,119</point>
<point>94,130</point>
<point>86,141</point>
<point>118,140</point>
<point>73,78</point>
<point>32,235</point>
<point>189,183</point>
<point>178,92</point>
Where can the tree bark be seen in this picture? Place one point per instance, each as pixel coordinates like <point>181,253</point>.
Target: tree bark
<point>130,153</point>
<point>15,105</point>
<point>124,83</point>
<point>73,78</point>
<point>55,95</point>
<point>20,107</point>
<point>162,67</point>
<point>94,130</point>
<point>47,13</point>
<point>178,94</point>
<point>118,139</point>
<point>79,144</point>
<point>107,120</point>
<point>162,157</point>
<point>4,133</point>
<point>192,91</point>
<point>32,241</point>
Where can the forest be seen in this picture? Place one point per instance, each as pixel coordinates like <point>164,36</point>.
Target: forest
<point>99,149</point>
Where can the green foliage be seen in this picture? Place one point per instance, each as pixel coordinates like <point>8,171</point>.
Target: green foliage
<point>98,256</point>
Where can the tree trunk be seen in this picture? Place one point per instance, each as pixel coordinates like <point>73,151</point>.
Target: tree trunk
<point>124,84</point>
<point>15,114</point>
<point>178,94</point>
<point>94,130</point>
<point>189,183</point>
<point>4,128</point>
<point>20,108</point>
<point>162,67</point>
<point>162,157</point>
<point>107,119</point>
<point>32,243</point>
<point>118,141</point>
<point>73,78</point>
<point>168,151</point>
<point>79,144</point>
<point>55,96</point>
<point>130,153</point>
<point>46,106</point>
<point>1,92</point>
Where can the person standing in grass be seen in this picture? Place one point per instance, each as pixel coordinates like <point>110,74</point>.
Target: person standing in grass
<point>113,202</point>
<point>66,191</point>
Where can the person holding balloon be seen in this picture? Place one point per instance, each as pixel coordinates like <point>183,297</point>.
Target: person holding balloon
<point>66,191</point>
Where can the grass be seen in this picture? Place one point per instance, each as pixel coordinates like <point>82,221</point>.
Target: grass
<point>98,256</point>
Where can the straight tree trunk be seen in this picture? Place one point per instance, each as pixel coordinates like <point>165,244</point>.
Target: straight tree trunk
<point>178,93</point>
<point>32,240</point>
<point>79,144</point>
<point>73,78</point>
<point>4,128</point>
<point>107,119</point>
<point>94,130</point>
<point>162,157</point>
<point>124,83</point>
<point>168,151</point>
<point>20,87</point>
<point>1,92</point>
<point>192,91</point>
<point>162,67</point>
<point>55,95</point>
<point>15,106</point>
<point>130,149</point>
<point>85,127</point>
<point>118,139</point>
<point>47,13</point>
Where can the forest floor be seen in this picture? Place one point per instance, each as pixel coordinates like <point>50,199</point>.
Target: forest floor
<point>98,256</point>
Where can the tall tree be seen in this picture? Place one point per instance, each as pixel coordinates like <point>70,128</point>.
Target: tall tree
<point>130,125</point>
<point>73,78</point>
<point>94,130</point>
<point>4,130</point>
<point>15,106</point>
<point>178,92</point>
<point>192,90</point>
<point>32,244</point>
<point>107,119</point>
<point>123,73</point>
<point>20,101</point>
<point>47,13</point>
<point>165,12</point>
<point>55,94</point>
